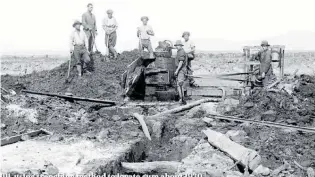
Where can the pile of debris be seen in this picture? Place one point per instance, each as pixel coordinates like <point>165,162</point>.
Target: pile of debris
<point>291,103</point>
<point>24,113</point>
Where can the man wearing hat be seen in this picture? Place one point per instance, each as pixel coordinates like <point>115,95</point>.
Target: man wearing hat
<point>78,47</point>
<point>89,26</point>
<point>265,71</point>
<point>189,48</point>
<point>110,26</point>
<point>144,33</point>
<point>181,71</point>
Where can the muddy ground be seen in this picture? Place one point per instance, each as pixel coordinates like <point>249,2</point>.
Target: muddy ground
<point>291,103</point>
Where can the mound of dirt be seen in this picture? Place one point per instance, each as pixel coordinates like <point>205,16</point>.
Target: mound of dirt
<point>103,82</point>
<point>25,112</point>
<point>294,104</point>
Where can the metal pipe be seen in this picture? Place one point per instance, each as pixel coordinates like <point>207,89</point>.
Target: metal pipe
<point>267,123</point>
<point>71,97</point>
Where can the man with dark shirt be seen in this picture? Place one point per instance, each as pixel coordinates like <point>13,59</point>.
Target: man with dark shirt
<point>265,71</point>
<point>181,71</point>
<point>89,26</point>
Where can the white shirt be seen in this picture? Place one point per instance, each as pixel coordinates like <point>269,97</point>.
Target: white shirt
<point>143,31</point>
<point>109,23</point>
<point>188,45</point>
<point>78,38</point>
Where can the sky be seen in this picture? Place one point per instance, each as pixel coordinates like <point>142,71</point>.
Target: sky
<point>34,26</point>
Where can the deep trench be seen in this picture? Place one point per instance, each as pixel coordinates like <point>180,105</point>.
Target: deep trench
<point>159,149</point>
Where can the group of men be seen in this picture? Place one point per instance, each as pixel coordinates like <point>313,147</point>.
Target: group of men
<point>82,42</point>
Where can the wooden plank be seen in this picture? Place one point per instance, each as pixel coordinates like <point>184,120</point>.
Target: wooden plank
<point>17,138</point>
<point>247,157</point>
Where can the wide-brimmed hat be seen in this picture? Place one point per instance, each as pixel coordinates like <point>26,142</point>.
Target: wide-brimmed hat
<point>264,43</point>
<point>178,42</point>
<point>144,17</point>
<point>110,11</point>
<point>186,33</point>
<point>76,22</point>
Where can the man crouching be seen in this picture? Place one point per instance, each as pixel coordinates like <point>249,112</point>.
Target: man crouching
<point>78,48</point>
<point>181,71</point>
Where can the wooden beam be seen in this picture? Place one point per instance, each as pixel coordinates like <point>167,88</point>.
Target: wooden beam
<point>17,138</point>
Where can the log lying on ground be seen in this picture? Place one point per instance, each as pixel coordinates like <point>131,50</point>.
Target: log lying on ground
<point>247,157</point>
<point>183,108</point>
<point>169,167</point>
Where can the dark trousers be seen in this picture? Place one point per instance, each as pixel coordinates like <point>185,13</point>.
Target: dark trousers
<point>81,56</point>
<point>111,41</point>
<point>91,39</point>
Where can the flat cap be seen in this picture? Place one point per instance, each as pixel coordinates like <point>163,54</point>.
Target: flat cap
<point>110,11</point>
<point>144,17</point>
<point>186,33</point>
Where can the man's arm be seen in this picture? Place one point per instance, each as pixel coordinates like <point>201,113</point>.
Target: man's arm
<point>181,55</point>
<point>71,44</point>
<point>193,47</point>
<point>86,41</point>
<point>84,23</point>
<point>116,26</point>
<point>94,23</point>
<point>138,32</point>
<point>104,24</point>
<point>151,31</point>
<point>180,65</point>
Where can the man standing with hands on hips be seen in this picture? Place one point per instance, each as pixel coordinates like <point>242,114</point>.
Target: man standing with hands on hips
<point>144,33</point>
<point>110,26</point>
<point>89,26</point>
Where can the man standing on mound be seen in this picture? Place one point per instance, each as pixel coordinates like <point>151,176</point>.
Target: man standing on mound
<point>78,48</point>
